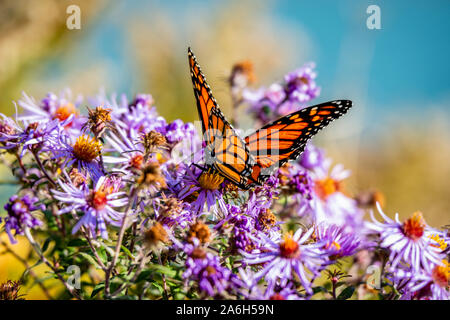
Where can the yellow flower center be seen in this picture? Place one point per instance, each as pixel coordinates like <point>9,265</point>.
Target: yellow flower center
<point>326,187</point>
<point>136,161</point>
<point>440,243</point>
<point>86,148</point>
<point>210,180</point>
<point>98,198</point>
<point>441,274</point>
<point>65,111</point>
<point>333,244</point>
<point>414,227</point>
<point>289,248</point>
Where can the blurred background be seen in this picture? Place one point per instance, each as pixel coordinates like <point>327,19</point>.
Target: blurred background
<point>395,140</point>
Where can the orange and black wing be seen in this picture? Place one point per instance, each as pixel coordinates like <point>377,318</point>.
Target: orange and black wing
<point>286,138</point>
<point>225,151</point>
<point>202,92</point>
<point>228,153</point>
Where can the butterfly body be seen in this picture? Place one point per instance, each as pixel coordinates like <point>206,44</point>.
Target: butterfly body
<point>251,161</point>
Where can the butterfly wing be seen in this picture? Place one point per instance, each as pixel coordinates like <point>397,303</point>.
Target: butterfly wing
<point>225,151</point>
<point>228,153</point>
<point>203,95</point>
<point>285,139</point>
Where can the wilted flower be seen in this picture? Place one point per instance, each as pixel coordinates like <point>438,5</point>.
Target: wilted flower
<point>171,212</point>
<point>9,290</point>
<point>98,120</point>
<point>156,234</point>
<point>200,232</point>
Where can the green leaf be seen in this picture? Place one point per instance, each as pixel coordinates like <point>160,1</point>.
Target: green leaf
<point>46,244</point>
<point>346,293</point>
<point>99,287</point>
<point>144,275</point>
<point>163,269</point>
<point>128,253</point>
<point>77,243</point>
<point>89,258</point>
<point>319,289</point>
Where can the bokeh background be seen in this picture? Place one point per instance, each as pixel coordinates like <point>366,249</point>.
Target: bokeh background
<point>395,140</point>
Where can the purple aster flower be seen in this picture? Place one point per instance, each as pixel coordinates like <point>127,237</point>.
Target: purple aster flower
<point>312,157</point>
<point>298,88</point>
<point>140,117</point>
<point>301,85</point>
<point>258,208</point>
<point>142,99</point>
<point>171,212</point>
<point>131,154</point>
<point>178,130</point>
<point>275,292</point>
<point>212,278</point>
<point>269,190</point>
<point>241,226</point>
<point>285,257</point>
<point>53,107</point>
<point>34,137</point>
<point>409,242</point>
<point>297,183</point>
<point>203,187</point>
<point>19,215</point>
<point>337,243</point>
<point>432,284</point>
<point>83,154</point>
<point>97,205</point>
<point>330,204</point>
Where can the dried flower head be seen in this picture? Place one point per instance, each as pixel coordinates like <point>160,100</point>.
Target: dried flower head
<point>98,120</point>
<point>200,231</point>
<point>9,290</point>
<point>150,175</point>
<point>153,141</point>
<point>155,235</point>
<point>266,219</point>
<point>77,177</point>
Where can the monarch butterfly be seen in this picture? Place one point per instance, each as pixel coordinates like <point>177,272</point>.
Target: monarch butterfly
<point>251,161</point>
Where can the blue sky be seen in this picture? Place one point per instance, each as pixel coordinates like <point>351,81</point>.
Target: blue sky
<point>403,66</point>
